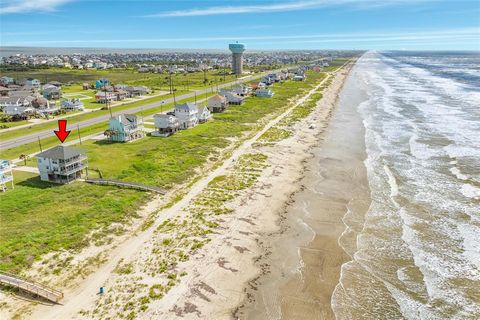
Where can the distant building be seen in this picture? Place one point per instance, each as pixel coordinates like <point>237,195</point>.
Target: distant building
<point>137,91</point>
<point>299,77</point>
<point>187,115</point>
<point>122,94</point>
<point>242,90</point>
<point>237,50</point>
<point>6,174</point>
<point>165,125</point>
<point>30,82</point>
<point>217,103</point>
<point>232,97</point>
<point>264,93</point>
<point>72,105</point>
<point>125,128</point>
<point>104,97</point>
<point>4,91</point>
<point>6,81</point>
<point>62,164</point>
<point>51,91</point>
<point>100,83</point>
<point>257,85</point>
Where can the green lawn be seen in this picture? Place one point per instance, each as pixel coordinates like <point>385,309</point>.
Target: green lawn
<point>37,218</point>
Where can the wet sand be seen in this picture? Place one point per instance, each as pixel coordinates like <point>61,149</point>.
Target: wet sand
<point>306,256</point>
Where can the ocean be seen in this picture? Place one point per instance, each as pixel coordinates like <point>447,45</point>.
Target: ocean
<point>418,253</point>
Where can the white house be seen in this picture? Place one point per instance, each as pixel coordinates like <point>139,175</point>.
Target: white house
<point>166,125</point>
<point>6,174</point>
<point>203,114</point>
<point>61,164</point>
<point>72,105</point>
<point>264,93</point>
<point>242,90</point>
<point>187,115</point>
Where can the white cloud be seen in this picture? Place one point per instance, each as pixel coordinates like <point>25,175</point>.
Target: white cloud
<point>437,36</point>
<point>26,6</point>
<point>278,7</point>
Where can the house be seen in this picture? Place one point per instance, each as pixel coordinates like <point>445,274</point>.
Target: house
<point>4,91</point>
<point>257,85</point>
<point>30,82</point>
<point>51,91</point>
<point>217,103</point>
<point>72,105</point>
<point>56,84</point>
<point>121,94</point>
<point>125,128</point>
<point>232,97</point>
<point>187,115</point>
<point>203,114</point>
<point>6,81</point>
<point>62,164</point>
<point>137,91</point>
<point>242,90</point>
<point>85,86</point>
<point>100,83</point>
<point>165,124</point>
<point>19,111</point>
<point>43,106</point>
<point>299,77</point>
<point>6,174</point>
<point>104,97</point>
<point>264,93</point>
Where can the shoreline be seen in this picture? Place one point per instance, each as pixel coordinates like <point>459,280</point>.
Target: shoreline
<point>305,256</point>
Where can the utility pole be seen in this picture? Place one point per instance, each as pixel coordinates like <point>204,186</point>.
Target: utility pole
<point>39,143</point>
<point>106,99</point>
<point>195,97</point>
<point>79,137</point>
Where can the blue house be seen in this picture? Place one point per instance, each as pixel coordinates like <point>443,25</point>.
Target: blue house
<point>32,82</point>
<point>101,82</point>
<point>124,128</point>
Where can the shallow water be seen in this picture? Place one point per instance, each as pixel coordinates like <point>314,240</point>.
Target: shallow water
<point>418,255</point>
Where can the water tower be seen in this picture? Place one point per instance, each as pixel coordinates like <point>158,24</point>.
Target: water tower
<point>237,56</point>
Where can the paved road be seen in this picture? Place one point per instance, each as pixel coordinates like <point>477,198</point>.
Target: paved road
<point>18,141</point>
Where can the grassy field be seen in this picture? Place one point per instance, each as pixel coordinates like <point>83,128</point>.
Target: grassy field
<point>156,81</point>
<point>37,218</point>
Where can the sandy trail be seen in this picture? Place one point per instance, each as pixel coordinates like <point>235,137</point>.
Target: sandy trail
<point>85,294</point>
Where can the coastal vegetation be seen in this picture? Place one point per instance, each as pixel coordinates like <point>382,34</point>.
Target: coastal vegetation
<point>37,223</point>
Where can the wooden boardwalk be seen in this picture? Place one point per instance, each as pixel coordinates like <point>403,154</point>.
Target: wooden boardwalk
<point>124,184</point>
<point>36,288</point>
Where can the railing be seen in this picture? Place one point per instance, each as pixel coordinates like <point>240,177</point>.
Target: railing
<point>36,288</point>
<point>131,185</point>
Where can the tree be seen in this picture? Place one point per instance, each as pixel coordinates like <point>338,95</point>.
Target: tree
<point>24,157</point>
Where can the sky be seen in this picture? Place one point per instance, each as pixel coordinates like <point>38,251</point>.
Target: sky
<point>259,24</point>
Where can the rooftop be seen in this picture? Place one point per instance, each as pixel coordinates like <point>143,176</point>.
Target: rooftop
<point>61,153</point>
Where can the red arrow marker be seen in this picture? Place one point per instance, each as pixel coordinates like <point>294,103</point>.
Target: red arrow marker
<point>62,132</point>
